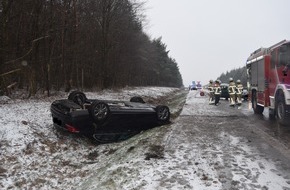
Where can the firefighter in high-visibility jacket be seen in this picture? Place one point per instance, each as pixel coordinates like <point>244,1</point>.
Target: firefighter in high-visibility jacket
<point>217,92</point>
<point>211,92</point>
<point>239,91</point>
<point>232,91</point>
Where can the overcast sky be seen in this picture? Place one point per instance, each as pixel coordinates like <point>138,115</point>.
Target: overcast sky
<point>209,37</point>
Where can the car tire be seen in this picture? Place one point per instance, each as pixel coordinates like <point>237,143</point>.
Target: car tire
<point>137,99</point>
<point>77,97</point>
<point>163,114</point>
<point>99,111</point>
<point>257,108</point>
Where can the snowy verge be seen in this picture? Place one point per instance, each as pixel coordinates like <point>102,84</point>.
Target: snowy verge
<point>34,155</point>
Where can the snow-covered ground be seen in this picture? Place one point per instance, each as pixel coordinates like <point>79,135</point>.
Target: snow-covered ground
<point>34,155</point>
<point>182,155</point>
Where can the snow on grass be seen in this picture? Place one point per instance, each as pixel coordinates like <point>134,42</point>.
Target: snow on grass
<point>34,155</point>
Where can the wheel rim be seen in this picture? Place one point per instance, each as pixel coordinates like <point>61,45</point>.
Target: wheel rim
<point>280,110</point>
<point>163,113</point>
<point>79,99</point>
<point>101,111</point>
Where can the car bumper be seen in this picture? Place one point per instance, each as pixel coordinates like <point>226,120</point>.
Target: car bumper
<point>75,121</point>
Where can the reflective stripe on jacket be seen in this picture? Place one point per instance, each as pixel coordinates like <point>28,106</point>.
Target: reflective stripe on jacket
<point>239,89</point>
<point>217,90</point>
<point>232,88</point>
<point>211,88</point>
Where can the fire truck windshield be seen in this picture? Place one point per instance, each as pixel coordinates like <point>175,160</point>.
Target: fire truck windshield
<point>285,55</point>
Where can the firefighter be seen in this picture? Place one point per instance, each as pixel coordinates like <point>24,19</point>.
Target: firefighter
<point>217,92</point>
<point>239,91</point>
<point>211,91</point>
<point>232,91</point>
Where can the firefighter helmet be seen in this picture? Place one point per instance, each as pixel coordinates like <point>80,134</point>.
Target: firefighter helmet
<point>238,81</point>
<point>231,79</point>
<point>217,81</point>
<point>210,81</point>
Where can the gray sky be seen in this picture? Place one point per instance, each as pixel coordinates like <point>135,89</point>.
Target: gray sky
<point>209,37</point>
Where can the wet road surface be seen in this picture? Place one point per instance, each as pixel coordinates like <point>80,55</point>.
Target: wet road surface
<point>227,148</point>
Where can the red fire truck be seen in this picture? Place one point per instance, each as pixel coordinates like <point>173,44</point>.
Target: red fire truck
<point>269,81</point>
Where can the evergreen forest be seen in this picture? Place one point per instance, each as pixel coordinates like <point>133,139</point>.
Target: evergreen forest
<point>84,44</point>
<point>236,74</point>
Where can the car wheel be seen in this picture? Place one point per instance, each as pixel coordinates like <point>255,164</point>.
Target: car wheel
<point>77,97</point>
<point>163,114</point>
<point>137,99</point>
<point>99,111</point>
<point>257,108</point>
<point>281,111</point>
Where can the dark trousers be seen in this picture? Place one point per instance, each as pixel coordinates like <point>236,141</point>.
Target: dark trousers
<point>216,99</point>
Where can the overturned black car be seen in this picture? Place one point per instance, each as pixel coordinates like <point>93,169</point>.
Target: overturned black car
<point>107,120</point>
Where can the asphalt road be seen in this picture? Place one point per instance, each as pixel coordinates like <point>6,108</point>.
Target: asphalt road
<point>229,148</point>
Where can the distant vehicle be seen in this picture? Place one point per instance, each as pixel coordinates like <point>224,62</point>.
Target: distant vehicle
<point>106,120</point>
<point>245,94</point>
<point>193,86</point>
<point>268,72</point>
<point>225,91</point>
<point>198,85</point>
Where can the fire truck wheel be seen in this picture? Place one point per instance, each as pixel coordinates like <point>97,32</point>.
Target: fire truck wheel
<point>257,108</point>
<point>272,114</point>
<point>282,117</point>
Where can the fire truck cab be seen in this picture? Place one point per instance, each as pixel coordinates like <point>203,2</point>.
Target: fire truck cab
<point>268,72</point>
